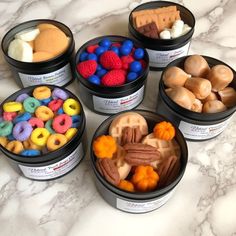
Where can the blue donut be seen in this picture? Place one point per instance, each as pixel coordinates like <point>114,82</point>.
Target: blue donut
<point>75,121</point>
<point>22,117</point>
<point>30,152</point>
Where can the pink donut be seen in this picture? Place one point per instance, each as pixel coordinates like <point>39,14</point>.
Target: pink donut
<point>9,116</point>
<point>56,104</point>
<point>36,122</point>
<point>62,123</point>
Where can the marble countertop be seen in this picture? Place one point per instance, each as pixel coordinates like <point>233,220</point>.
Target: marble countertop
<point>204,201</point>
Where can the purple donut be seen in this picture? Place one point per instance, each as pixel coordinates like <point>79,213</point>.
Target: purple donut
<point>22,130</point>
<point>59,93</point>
<point>22,97</point>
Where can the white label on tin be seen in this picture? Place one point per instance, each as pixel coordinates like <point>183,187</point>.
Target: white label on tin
<point>59,77</point>
<point>199,132</point>
<point>114,105</point>
<point>54,170</point>
<point>163,58</point>
<point>142,207</point>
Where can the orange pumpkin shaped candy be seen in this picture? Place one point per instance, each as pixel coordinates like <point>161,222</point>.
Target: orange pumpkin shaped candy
<point>126,185</point>
<point>164,130</point>
<point>104,146</point>
<point>145,179</point>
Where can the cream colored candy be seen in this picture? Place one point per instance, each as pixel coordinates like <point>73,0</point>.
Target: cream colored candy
<point>177,29</point>
<point>122,166</point>
<point>20,50</point>
<point>228,96</point>
<point>197,106</point>
<point>181,96</point>
<point>196,66</point>
<point>213,106</point>
<point>174,76</point>
<point>220,77</point>
<point>28,34</point>
<point>199,86</point>
<point>166,148</point>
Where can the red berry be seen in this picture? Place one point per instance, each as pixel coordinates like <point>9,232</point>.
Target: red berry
<point>110,60</point>
<point>114,78</point>
<point>87,68</point>
<point>143,63</point>
<point>91,48</point>
<point>116,45</point>
<point>126,60</point>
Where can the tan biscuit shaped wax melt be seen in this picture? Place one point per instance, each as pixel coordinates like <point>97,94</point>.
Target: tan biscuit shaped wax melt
<point>52,41</point>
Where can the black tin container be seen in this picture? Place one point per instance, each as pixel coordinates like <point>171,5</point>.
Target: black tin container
<point>57,71</point>
<point>194,126</point>
<point>138,202</point>
<point>54,164</point>
<point>110,100</point>
<point>162,51</point>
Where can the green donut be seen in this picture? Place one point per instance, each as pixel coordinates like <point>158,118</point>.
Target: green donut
<point>5,128</point>
<point>48,126</point>
<point>30,104</point>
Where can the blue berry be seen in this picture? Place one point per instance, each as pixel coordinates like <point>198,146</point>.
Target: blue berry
<point>92,56</point>
<point>135,66</point>
<point>99,51</point>
<point>94,79</point>
<point>115,49</point>
<point>128,43</point>
<point>83,56</point>
<point>99,67</point>
<point>124,50</point>
<point>138,53</point>
<point>101,72</point>
<point>60,111</point>
<point>105,43</point>
<point>132,76</point>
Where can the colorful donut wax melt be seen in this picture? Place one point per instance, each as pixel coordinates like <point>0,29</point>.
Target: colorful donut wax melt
<point>39,129</point>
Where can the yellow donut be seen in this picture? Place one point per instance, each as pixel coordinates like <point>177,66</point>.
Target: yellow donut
<point>15,147</point>
<point>28,144</point>
<point>44,113</point>
<point>3,141</point>
<point>56,141</point>
<point>12,106</point>
<point>42,92</point>
<point>70,133</point>
<point>39,136</point>
<point>71,107</point>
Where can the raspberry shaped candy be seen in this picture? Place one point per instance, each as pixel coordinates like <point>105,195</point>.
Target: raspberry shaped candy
<point>87,68</point>
<point>113,78</point>
<point>92,48</point>
<point>110,60</point>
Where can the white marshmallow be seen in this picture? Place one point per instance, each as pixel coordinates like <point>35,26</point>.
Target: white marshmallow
<point>179,23</point>
<point>165,34</point>
<point>28,35</point>
<point>20,50</point>
<point>186,29</point>
<point>176,32</point>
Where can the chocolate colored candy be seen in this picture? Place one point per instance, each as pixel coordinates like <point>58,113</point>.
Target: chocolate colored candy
<point>150,30</point>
